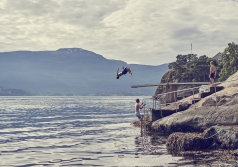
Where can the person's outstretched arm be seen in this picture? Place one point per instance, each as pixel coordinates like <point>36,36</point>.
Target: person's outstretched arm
<point>142,105</point>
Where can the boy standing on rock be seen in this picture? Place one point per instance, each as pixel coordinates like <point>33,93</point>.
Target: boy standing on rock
<point>212,74</point>
<point>138,106</point>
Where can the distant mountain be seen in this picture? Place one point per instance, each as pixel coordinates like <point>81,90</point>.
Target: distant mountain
<point>13,92</point>
<point>73,71</point>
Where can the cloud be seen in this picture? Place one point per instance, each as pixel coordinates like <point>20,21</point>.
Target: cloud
<point>136,31</point>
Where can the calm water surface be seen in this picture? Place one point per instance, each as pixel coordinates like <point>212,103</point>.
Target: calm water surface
<point>75,131</point>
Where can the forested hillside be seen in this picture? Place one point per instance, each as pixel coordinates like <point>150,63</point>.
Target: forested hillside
<point>194,68</point>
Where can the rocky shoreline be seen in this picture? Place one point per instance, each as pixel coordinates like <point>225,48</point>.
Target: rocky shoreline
<point>216,137</point>
<point>210,124</point>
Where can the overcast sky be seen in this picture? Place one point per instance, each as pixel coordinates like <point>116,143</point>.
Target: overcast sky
<point>136,31</point>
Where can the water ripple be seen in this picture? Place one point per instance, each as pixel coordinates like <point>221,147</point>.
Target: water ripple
<point>72,131</point>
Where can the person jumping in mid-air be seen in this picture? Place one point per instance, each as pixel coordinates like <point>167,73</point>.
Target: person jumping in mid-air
<point>124,71</point>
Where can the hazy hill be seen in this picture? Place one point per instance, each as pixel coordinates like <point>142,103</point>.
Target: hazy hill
<point>73,71</point>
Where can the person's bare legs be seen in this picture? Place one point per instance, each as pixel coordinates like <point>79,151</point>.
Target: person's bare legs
<point>129,70</point>
<point>142,117</point>
<point>212,81</point>
<point>119,74</point>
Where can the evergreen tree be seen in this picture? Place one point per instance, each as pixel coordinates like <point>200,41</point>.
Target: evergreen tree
<point>191,68</point>
<point>229,61</point>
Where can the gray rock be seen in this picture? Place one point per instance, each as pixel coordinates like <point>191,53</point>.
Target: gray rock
<point>178,141</point>
<point>184,106</point>
<point>197,120</point>
<point>209,102</point>
<point>232,81</point>
<point>218,98</point>
<point>225,137</point>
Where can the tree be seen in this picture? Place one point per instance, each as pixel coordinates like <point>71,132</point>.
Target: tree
<point>191,68</point>
<point>229,61</point>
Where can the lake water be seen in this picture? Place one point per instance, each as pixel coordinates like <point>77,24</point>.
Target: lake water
<point>76,131</point>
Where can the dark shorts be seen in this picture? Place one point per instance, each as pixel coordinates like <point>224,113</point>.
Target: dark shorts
<point>138,115</point>
<point>212,75</point>
<point>124,71</point>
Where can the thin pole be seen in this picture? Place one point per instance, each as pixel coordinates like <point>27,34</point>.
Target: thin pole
<point>155,104</point>
<point>144,118</point>
<point>144,106</point>
<point>215,94</point>
<point>175,101</point>
<point>160,108</point>
<point>141,127</point>
<point>193,100</point>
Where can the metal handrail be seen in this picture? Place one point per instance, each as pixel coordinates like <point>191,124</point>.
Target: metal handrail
<point>182,90</point>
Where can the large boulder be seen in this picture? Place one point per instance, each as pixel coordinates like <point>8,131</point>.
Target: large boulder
<point>219,98</point>
<point>224,137</point>
<point>184,106</point>
<point>219,108</point>
<point>179,141</point>
<point>197,119</point>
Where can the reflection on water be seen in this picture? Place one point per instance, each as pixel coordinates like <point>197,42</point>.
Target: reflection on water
<point>66,131</point>
<point>71,131</point>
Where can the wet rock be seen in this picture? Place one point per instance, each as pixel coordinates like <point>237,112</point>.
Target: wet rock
<point>225,137</point>
<point>138,123</point>
<point>216,137</point>
<point>168,129</point>
<point>187,141</point>
<point>211,158</point>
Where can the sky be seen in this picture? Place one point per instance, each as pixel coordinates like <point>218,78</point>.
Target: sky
<point>150,32</point>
